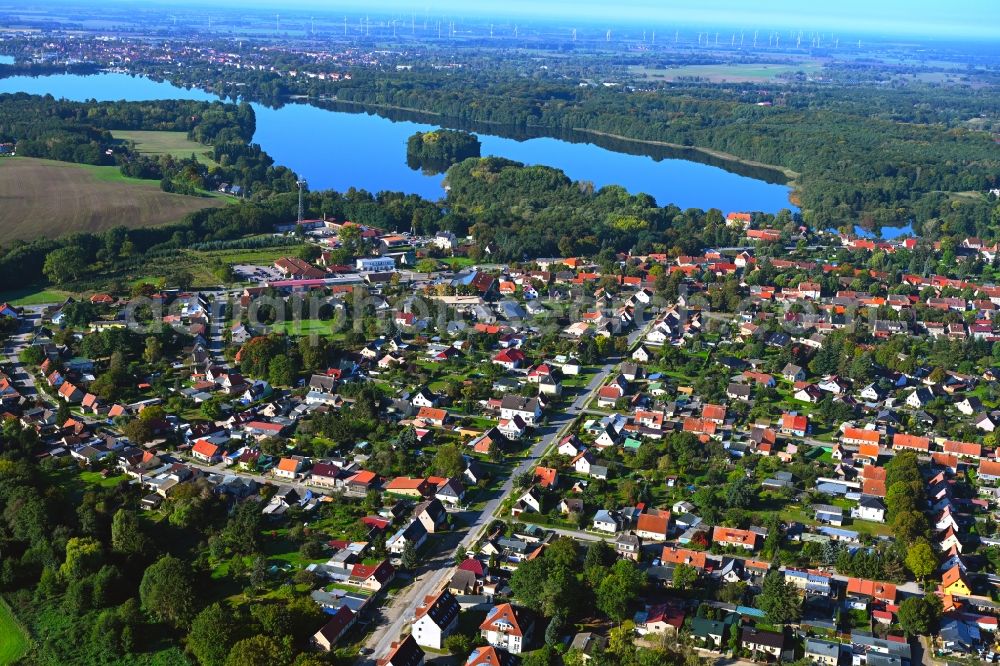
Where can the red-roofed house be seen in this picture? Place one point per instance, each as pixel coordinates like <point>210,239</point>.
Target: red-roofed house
<point>963,449</point>
<point>331,632</point>
<point>510,359</point>
<point>205,451</point>
<point>507,628</point>
<point>408,486</point>
<point>694,558</point>
<point>372,577</point>
<point>860,436</point>
<point>728,536</point>
<point>547,477</point>
<point>70,393</point>
<point>714,413</point>
<point>902,441</point>
<point>653,526</point>
<point>659,619</point>
<point>433,415</point>
<point>871,590</point>
<point>794,424</point>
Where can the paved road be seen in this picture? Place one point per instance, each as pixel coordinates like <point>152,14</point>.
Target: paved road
<point>13,347</point>
<point>432,576</point>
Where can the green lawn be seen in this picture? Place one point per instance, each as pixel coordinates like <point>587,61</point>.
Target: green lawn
<point>305,327</point>
<point>33,296</point>
<point>458,263</point>
<point>176,144</point>
<point>95,479</point>
<point>266,256</point>
<point>13,639</point>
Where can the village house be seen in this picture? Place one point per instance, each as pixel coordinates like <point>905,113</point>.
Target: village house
<point>507,628</point>
<point>404,653</point>
<point>435,619</point>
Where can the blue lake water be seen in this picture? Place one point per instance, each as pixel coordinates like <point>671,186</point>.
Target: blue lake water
<point>886,233</point>
<point>6,60</point>
<point>335,149</point>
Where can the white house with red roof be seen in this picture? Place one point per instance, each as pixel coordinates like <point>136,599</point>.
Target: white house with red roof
<point>508,628</point>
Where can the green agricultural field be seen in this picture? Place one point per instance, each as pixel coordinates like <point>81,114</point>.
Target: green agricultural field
<point>734,73</point>
<point>176,144</point>
<point>13,640</point>
<point>33,296</point>
<point>48,198</point>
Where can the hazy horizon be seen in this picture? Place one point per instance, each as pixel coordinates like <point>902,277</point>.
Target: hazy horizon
<point>958,18</point>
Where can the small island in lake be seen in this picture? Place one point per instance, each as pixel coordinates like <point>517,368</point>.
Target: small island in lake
<point>435,151</point>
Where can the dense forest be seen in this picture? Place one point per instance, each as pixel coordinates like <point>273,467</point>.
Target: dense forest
<point>435,151</point>
<point>873,154</point>
<point>99,584</point>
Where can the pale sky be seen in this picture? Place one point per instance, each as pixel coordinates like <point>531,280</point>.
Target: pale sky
<point>945,18</point>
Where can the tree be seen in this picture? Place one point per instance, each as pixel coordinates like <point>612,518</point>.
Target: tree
<point>167,591</point>
<point>65,264</point>
<point>126,535</point>
<point>619,589</point>
<point>780,600</point>
<point>740,493</point>
<point>408,560</point>
<point>84,556</point>
<point>153,351</point>
<point>281,371</point>
<point>599,553</point>
<point>259,651</point>
<point>138,431</point>
<point>241,533</point>
<point>449,460</point>
<point>211,636</point>
<point>685,576</point>
<point>918,616</point>
<point>921,560</point>
<point>553,632</point>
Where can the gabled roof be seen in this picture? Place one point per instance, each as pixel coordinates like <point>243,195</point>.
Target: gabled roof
<point>952,576</point>
<point>546,476</point>
<point>654,523</point>
<point>381,572</point>
<point>404,653</point>
<point>694,558</point>
<point>338,623</point>
<point>442,609</point>
<point>872,588</point>
<point>507,615</point>
<point>489,656</point>
<point>205,448</point>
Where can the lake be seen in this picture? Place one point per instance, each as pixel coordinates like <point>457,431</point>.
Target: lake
<point>335,148</point>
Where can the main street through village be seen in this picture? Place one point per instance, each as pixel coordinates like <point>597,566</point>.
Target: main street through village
<point>434,573</point>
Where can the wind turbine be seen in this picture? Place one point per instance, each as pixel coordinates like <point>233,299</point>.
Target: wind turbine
<point>755,38</point>
<point>574,34</point>
<point>607,37</point>
<point>654,38</point>
<point>277,22</point>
